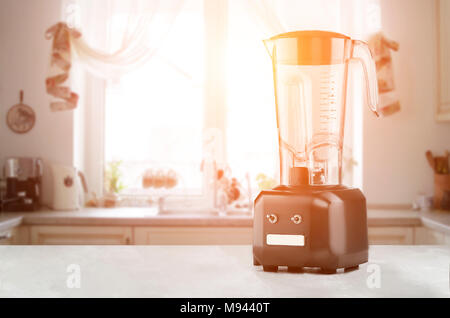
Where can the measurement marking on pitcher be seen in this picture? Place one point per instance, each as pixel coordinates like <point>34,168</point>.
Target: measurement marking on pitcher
<point>327,100</point>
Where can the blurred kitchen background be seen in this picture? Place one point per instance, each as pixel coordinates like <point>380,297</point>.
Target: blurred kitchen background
<point>174,130</point>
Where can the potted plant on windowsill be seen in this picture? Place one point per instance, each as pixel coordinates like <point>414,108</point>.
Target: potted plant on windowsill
<point>113,183</point>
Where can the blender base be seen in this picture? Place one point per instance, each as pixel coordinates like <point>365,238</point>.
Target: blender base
<point>310,227</point>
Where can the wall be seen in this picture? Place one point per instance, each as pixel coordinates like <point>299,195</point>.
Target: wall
<point>24,57</point>
<point>394,164</point>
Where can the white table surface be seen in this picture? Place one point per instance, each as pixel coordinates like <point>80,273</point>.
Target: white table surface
<point>213,271</point>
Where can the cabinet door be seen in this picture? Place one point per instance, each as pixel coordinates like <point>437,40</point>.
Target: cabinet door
<point>21,235</point>
<point>6,237</point>
<point>426,236</point>
<point>192,235</point>
<point>81,235</point>
<point>447,239</point>
<point>391,235</point>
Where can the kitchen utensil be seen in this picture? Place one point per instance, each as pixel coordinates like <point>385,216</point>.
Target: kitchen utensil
<point>311,219</point>
<point>439,165</point>
<point>69,186</point>
<point>430,160</point>
<point>21,117</point>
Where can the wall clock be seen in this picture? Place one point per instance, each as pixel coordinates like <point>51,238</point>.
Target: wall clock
<point>21,117</point>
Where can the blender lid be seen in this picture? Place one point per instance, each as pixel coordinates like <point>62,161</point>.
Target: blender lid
<point>311,47</point>
<point>310,33</point>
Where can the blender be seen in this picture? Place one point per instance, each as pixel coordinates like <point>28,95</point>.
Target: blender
<point>311,219</point>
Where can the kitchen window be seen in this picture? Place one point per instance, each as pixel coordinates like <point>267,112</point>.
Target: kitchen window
<point>207,92</point>
<point>205,100</point>
<point>154,115</point>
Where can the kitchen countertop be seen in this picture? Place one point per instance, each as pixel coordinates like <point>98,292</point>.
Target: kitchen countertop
<point>213,271</point>
<point>150,216</point>
<point>437,220</point>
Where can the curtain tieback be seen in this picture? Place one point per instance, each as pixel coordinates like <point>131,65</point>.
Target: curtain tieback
<point>60,64</point>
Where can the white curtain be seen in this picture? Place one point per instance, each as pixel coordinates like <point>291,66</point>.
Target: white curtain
<point>265,16</point>
<point>107,48</point>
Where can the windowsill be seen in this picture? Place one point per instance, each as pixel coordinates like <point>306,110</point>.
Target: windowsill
<point>173,205</point>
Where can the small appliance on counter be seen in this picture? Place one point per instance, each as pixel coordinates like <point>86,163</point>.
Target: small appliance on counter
<point>23,184</point>
<point>69,186</point>
<point>311,219</point>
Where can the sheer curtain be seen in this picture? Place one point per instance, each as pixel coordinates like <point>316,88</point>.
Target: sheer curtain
<point>105,53</point>
<point>106,48</point>
<point>149,21</point>
<point>119,36</point>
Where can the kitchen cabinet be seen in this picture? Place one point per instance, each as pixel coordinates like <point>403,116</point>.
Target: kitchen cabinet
<point>21,235</point>
<point>6,237</point>
<point>15,236</point>
<point>192,235</point>
<point>81,235</point>
<point>447,240</point>
<point>195,235</point>
<point>391,235</point>
<point>426,236</point>
<point>134,226</point>
<point>413,235</point>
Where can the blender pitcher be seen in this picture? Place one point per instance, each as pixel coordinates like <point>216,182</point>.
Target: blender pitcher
<point>310,76</point>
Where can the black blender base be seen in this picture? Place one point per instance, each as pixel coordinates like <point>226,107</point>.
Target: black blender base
<point>310,229</point>
<point>270,268</point>
<point>297,269</point>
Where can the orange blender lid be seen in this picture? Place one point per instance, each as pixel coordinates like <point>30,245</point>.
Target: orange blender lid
<point>310,48</point>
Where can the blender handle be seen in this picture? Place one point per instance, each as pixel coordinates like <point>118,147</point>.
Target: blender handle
<point>362,53</point>
<point>269,44</point>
